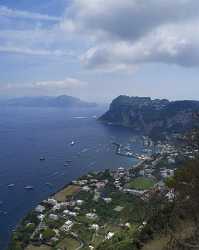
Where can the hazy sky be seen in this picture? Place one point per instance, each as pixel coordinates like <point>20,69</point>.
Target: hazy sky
<point>98,49</point>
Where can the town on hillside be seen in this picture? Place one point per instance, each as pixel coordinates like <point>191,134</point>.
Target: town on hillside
<point>94,208</point>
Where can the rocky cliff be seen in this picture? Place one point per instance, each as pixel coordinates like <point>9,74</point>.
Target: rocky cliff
<point>148,116</point>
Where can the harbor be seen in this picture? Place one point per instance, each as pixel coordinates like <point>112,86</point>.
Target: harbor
<point>127,152</point>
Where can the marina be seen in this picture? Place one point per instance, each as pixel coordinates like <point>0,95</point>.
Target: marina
<point>127,152</point>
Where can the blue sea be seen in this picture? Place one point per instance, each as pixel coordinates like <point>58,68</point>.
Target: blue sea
<point>26,134</point>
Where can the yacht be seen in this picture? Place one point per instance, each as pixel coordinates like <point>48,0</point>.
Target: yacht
<point>11,185</point>
<point>29,187</point>
<point>72,143</point>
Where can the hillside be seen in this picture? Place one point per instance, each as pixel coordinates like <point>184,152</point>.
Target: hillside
<point>47,101</point>
<point>151,206</point>
<point>173,224</point>
<point>152,117</point>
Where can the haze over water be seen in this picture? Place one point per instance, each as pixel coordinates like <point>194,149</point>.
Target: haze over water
<point>26,134</point>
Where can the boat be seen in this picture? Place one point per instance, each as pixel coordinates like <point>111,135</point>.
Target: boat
<point>11,185</point>
<point>67,165</point>
<point>42,158</point>
<point>72,143</point>
<point>29,187</point>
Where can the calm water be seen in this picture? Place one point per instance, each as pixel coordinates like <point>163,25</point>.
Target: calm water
<point>28,133</point>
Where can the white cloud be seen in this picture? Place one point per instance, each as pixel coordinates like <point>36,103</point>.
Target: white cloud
<point>127,19</point>
<point>113,35</point>
<point>32,52</point>
<point>132,32</point>
<point>52,86</point>
<point>169,44</point>
<point>69,82</point>
<point>14,13</point>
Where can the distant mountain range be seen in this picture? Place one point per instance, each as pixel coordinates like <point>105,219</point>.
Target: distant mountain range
<point>152,117</point>
<point>48,101</point>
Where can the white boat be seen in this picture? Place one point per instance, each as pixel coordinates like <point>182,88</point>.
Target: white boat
<point>29,187</point>
<point>72,143</point>
<point>11,185</point>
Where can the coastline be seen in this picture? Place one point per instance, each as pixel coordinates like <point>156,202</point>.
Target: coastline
<point>53,194</point>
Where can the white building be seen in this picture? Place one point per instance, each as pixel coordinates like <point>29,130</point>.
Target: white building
<point>91,216</point>
<point>94,227</point>
<point>41,217</point>
<point>109,235</point>
<point>79,202</point>
<point>52,202</point>
<point>39,209</point>
<point>67,226</point>
<point>86,188</point>
<point>107,200</point>
<point>53,217</point>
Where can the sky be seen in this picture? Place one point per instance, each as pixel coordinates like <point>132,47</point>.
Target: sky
<point>99,49</point>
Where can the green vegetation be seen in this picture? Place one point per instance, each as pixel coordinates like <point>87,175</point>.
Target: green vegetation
<point>177,222</point>
<point>68,243</point>
<point>48,234</point>
<point>141,183</point>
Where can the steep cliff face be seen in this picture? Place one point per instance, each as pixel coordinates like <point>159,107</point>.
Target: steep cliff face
<point>151,116</point>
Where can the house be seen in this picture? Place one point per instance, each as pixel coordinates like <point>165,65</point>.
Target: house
<point>39,209</point>
<point>64,205</point>
<point>52,202</point>
<point>72,204</point>
<point>170,195</point>
<point>82,182</point>
<point>54,239</point>
<point>77,208</point>
<point>118,209</point>
<point>128,225</point>
<point>171,160</point>
<point>107,200</point>
<point>68,212</point>
<point>91,216</point>
<point>121,169</point>
<point>94,227</point>
<point>73,214</point>
<point>41,217</point>
<point>100,185</point>
<point>53,217</point>
<point>109,235</point>
<point>167,173</point>
<point>79,202</point>
<point>67,226</point>
<point>56,207</point>
<point>141,173</point>
<point>86,188</point>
